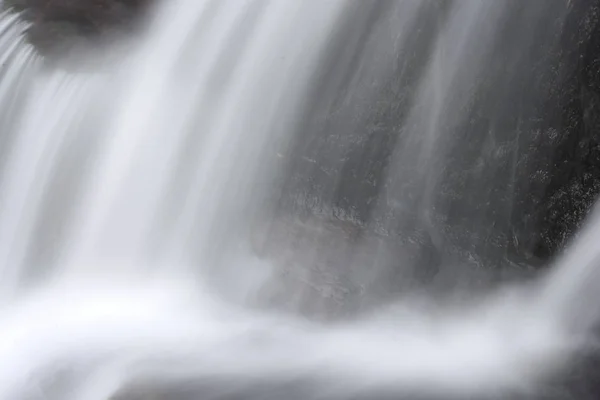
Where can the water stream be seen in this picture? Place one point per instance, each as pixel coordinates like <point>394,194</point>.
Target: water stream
<point>130,193</point>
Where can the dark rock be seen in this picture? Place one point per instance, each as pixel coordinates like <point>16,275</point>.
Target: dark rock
<point>523,166</point>
<point>60,26</point>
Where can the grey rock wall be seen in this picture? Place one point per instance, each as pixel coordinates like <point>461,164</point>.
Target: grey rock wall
<point>521,170</point>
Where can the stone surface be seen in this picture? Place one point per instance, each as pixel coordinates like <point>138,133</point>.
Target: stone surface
<point>521,169</point>
<point>59,26</point>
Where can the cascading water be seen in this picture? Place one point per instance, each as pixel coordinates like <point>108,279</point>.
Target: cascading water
<point>128,196</point>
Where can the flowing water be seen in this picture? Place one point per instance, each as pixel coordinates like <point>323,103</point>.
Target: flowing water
<point>131,189</point>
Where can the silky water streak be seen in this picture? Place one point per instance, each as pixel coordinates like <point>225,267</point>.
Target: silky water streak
<point>124,191</point>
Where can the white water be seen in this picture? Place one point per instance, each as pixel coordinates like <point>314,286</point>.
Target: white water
<point>125,192</point>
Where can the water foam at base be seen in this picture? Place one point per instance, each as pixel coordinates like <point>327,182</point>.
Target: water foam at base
<point>144,326</point>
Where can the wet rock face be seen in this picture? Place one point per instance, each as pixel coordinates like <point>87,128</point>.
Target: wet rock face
<point>61,25</point>
<point>574,182</point>
<point>522,168</point>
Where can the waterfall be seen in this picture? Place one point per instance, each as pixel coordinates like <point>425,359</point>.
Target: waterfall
<point>131,193</point>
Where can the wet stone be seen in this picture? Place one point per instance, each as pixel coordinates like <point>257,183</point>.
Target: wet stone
<point>60,27</point>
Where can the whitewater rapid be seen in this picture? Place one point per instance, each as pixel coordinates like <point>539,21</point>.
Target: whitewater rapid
<point>125,191</point>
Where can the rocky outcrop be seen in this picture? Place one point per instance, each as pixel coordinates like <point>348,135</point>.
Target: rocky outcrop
<point>58,26</point>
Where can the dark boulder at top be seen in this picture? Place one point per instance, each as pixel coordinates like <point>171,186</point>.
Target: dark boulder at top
<point>58,26</point>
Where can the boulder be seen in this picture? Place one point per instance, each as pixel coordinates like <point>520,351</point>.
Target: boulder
<point>59,26</point>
